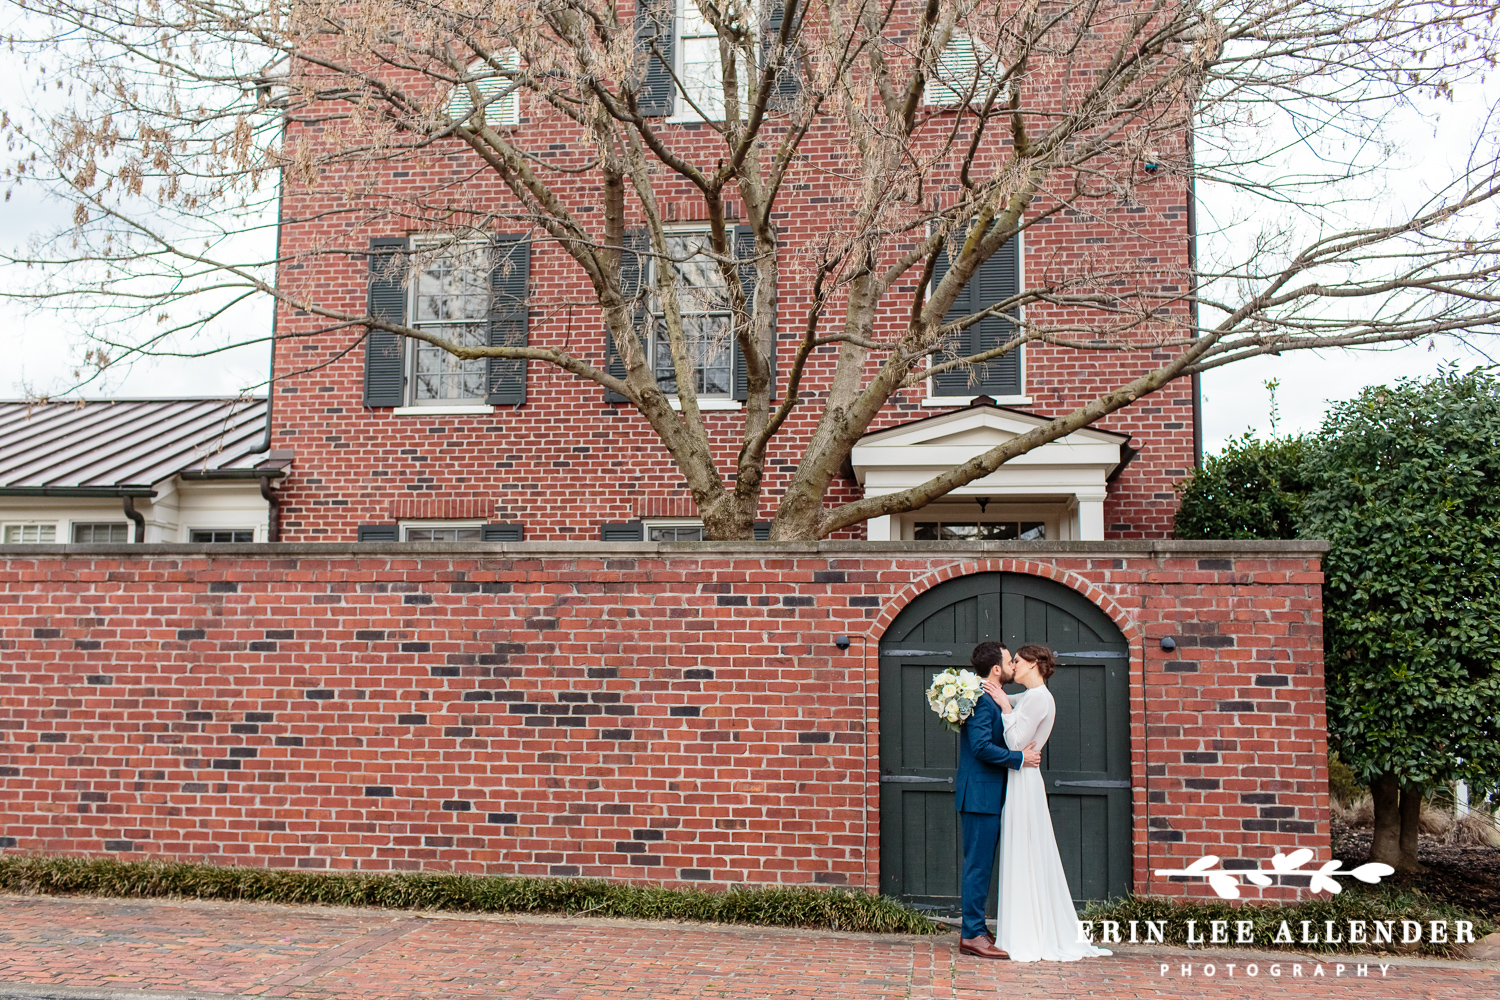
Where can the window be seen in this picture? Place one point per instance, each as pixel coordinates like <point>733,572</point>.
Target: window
<point>997,280</point>
<point>700,69</point>
<point>504,111</point>
<point>965,71</point>
<point>116,531</point>
<point>443,532</point>
<point>675,531</point>
<point>216,536</point>
<point>707,322</point>
<point>30,534</point>
<point>979,531</point>
<point>451,299</point>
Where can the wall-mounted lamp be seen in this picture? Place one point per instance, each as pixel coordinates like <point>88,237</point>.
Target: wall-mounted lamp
<point>1168,644</point>
<point>841,641</point>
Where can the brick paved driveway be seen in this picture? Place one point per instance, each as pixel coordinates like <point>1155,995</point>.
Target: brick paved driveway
<point>74,949</point>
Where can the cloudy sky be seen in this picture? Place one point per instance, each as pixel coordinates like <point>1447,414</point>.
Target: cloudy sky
<point>41,351</point>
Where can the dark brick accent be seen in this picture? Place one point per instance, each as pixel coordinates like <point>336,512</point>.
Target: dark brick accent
<point>1199,757</point>
<point>189,634</point>
<point>685,711</point>
<point>1272,681</point>
<point>457,805</point>
<point>224,587</point>
<point>379,791</point>
<point>814,737</point>
<point>501,819</point>
<point>100,679</point>
<point>119,845</point>
<point>289,741</point>
<point>411,720</point>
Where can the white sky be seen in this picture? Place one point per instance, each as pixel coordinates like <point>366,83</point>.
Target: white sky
<point>40,352</point>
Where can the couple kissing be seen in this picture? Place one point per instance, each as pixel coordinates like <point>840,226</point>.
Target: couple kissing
<point>1002,801</point>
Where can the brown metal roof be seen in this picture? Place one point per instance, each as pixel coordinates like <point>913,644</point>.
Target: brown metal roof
<point>120,443</point>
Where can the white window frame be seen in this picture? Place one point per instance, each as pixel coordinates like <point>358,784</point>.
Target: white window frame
<point>405,526</point>
<point>706,401</point>
<point>682,110</point>
<point>668,522</point>
<point>1023,398</point>
<point>960,57</point>
<point>449,404</point>
<point>73,527</point>
<point>505,111</point>
<point>7,525</point>
<point>254,532</point>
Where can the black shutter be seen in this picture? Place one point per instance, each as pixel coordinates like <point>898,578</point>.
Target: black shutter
<point>656,22</point>
<point>630,287</point>
<point>385,352</point>
<point>503,532</point>
<point>509,315</point>
<point>762,530</point>
<point>378,532</point>
<point>744,250</point>
<point>955,382</point>
<point>789,79</point>
<point>628,531</point>
<point>997,280</point>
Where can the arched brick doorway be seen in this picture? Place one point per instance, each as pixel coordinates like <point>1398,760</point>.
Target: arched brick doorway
<point>1086,763</point>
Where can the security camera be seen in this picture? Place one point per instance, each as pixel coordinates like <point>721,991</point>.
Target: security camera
<point>841,641</point>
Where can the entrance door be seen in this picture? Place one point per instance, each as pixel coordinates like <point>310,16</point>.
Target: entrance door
<point>1086,762</point>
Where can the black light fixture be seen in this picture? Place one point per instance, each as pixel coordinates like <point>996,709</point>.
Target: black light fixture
<point>1168,644</point>
<point>841,641</point>
<point>983,502</point>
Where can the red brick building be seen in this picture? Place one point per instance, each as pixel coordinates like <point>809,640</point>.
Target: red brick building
<point>559,679</point>
<point>399,438</point>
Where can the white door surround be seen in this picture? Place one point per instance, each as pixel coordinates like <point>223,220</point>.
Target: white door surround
<point>1070,474</point>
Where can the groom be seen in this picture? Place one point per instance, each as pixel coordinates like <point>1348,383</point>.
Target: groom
<point>979,795</point>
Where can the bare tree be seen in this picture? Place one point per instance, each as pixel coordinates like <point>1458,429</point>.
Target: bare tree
<point>939,131</point>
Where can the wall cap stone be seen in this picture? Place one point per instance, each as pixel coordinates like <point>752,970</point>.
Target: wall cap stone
<point>1157,548</point>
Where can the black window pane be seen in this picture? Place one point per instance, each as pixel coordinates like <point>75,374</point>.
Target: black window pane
<point>1033,531</point>
<point>113,532</point>
<point>220,535</point>
<point>676,533</point>
<point>926,531</point>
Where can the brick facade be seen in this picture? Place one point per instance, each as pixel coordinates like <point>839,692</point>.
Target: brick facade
<point>566,460</point>
<point>673,713</point>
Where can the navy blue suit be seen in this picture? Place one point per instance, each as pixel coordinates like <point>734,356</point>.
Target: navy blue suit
<point>979,795</point>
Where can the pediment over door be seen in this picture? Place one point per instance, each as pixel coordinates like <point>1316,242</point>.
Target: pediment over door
<point>1073,470</point>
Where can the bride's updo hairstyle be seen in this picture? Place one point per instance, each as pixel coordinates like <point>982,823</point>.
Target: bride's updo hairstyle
<point>1046,663</point>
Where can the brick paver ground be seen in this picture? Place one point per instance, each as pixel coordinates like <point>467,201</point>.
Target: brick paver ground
<point>82,948</point>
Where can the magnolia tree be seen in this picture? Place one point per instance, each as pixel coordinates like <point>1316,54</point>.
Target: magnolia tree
<point>939,131</point>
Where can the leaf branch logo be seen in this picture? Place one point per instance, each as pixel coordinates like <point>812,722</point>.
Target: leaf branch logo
<point>1227,882</point>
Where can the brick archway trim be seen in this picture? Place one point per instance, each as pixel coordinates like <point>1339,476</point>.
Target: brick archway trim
<point>1101,600</point>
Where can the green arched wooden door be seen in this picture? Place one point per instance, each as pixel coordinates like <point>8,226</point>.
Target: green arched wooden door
<point>1086,762</point>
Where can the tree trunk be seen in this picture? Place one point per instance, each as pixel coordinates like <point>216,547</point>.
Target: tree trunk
<point>1411,818</point>
<point>1385,847</point>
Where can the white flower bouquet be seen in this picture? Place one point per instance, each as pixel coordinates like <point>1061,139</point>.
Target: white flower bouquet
<point>953,695</point>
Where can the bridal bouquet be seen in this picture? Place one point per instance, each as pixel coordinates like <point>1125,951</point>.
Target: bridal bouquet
<point>953,695</point>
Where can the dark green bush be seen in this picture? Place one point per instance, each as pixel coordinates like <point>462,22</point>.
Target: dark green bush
<point>771,906</point>
<point>1254,489</point>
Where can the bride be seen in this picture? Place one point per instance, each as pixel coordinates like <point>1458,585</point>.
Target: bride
<point>1037,921</point>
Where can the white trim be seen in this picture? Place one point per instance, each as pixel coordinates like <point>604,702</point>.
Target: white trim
<point>711,403</point>
<point>437,411</point>
<point>647,523</point>
<point>434,522</point>
<point>951,401</point>
<point>188,530</point>
<point>682,111</point>
<point>37,523</point>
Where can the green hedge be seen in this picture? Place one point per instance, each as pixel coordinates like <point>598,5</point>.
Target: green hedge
<point>771,906</point>
<point>1385,902</point>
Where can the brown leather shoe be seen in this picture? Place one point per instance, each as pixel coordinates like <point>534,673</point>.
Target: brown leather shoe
<point>981,947</point>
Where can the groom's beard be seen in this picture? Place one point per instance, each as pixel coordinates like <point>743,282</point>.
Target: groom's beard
<point>1006,674</point>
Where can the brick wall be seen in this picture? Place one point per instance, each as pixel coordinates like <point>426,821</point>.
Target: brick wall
<point>674,713</point>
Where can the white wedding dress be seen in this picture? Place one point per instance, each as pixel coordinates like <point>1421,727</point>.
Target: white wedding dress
<point>1037,922</point>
